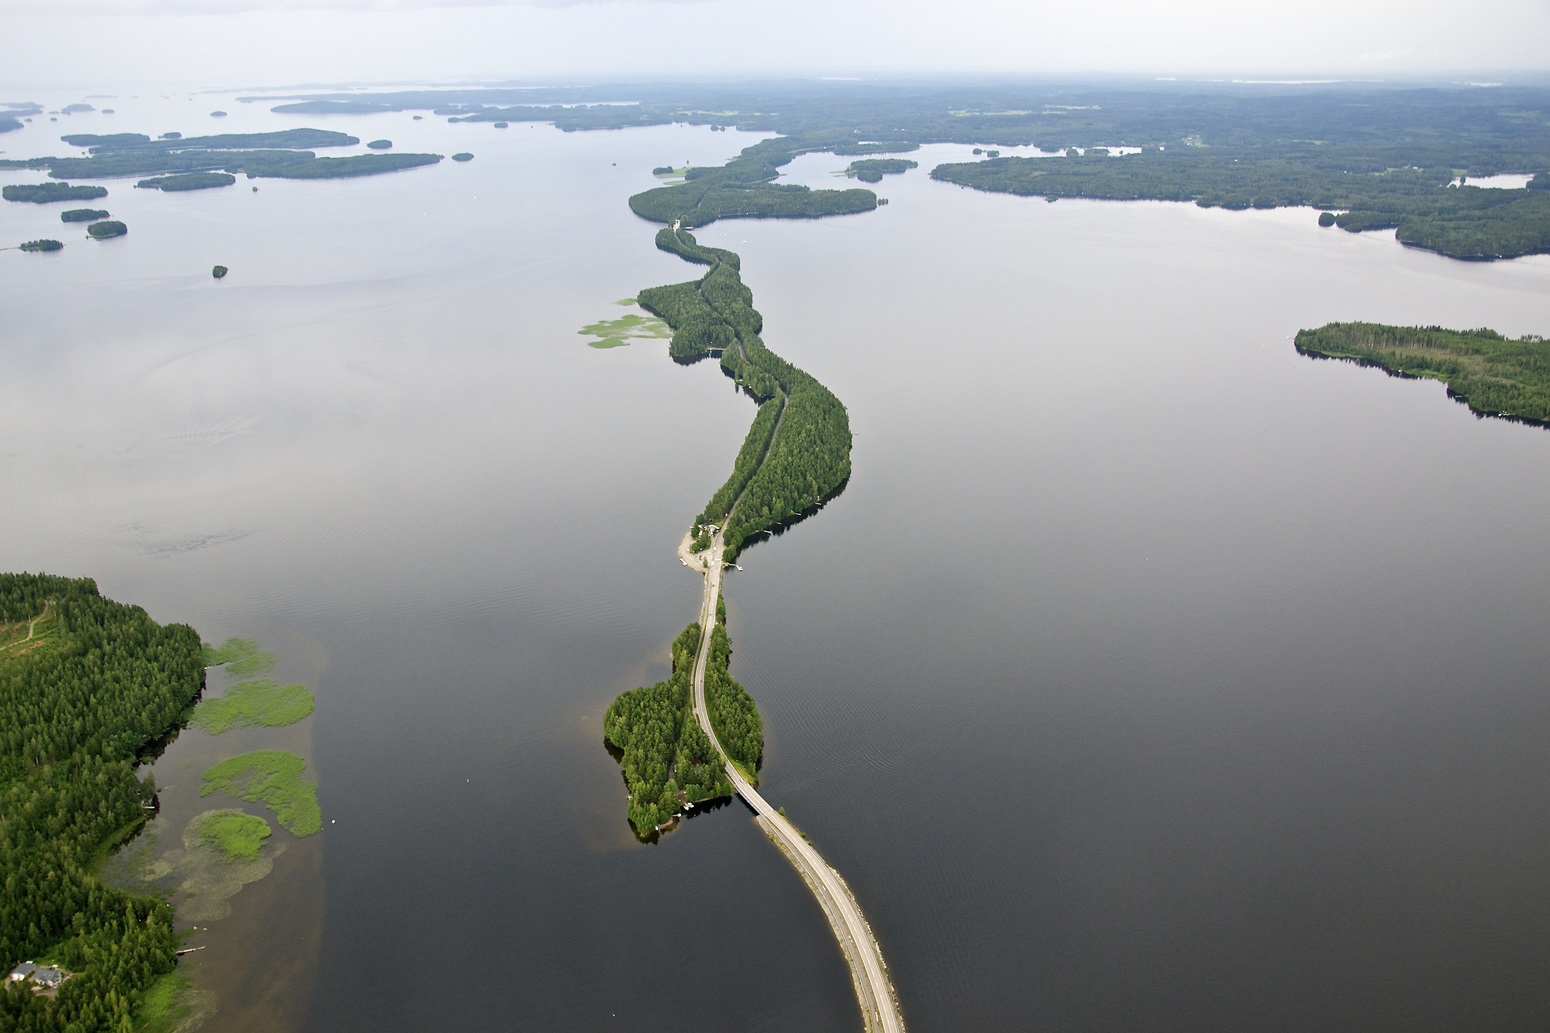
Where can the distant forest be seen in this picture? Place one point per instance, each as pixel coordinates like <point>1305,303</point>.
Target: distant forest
<point>1375,156</point>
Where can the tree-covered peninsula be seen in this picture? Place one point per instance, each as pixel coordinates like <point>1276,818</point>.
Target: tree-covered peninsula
<point>88,687</point>
<point>744,188</point>
<point>1419,204</point>
<point>1494,375</point>
<point>796,454</point>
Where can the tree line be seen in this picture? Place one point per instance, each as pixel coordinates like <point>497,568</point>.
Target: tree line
<point>97,685</point>
<point>733,713</point>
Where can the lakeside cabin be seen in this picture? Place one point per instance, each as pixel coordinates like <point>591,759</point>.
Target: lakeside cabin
<point>42,977</point>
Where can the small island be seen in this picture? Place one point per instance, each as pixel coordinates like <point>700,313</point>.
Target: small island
<point>1492,374</point>
<point>217,114</point>
<point>106,230</point>
<point>463,156</point>
<point>872,170</point>
<point>41,245</point>
<point>47,193</point>
<point>188,181</point>
<point>218,272</point>
<point>380,145</point>
<point>83,215</point>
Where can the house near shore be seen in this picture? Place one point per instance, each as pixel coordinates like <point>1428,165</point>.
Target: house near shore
<point>42,977</point>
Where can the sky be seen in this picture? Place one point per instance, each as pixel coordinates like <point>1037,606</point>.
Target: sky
<point>235,43</point>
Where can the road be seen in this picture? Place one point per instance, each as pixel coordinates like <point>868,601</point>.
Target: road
<point>868,973</point>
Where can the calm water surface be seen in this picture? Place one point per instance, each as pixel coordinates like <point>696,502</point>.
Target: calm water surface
<point>1145,676</point>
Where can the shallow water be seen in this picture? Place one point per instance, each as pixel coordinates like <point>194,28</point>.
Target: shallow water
<point>1146,675</point>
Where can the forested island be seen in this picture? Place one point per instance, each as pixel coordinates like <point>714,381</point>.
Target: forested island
<point>48,193</point>
<point>88,688</point>
<point>668,760</point>
<point>106,229</point>
<point>1493,375</point>
<point>188,181</point>
<point>41,245</point>
<point>872,170</point>
<point>285,154</point>
<point>83,215</point>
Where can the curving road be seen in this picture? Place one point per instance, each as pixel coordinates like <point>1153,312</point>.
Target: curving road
<point>868,972</point>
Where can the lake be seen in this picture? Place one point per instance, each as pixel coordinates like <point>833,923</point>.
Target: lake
<point>1146,674</point>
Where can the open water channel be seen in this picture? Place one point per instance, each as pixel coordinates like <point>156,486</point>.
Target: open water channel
<point>1145,676</point>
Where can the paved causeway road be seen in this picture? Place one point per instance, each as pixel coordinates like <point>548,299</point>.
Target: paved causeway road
<point>874,991</point>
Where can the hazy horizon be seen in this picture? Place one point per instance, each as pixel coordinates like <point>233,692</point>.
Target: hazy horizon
<point>58,44</point>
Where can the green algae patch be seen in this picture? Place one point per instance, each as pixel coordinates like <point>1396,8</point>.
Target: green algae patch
<point>241,656</point>
<point>273,778</point>
<point>616,333</point>
<point>235,835</point>
<point>262,702</point>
